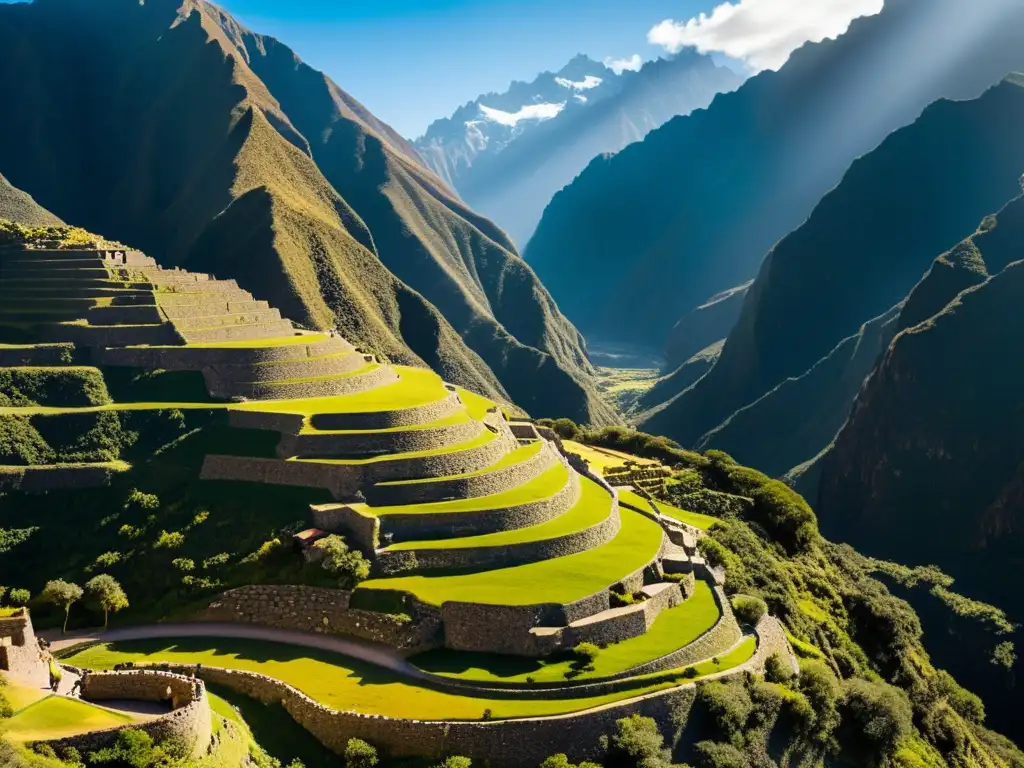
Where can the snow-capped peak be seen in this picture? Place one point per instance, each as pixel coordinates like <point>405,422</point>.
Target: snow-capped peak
<point>536,112</point>
<point>588,82</point>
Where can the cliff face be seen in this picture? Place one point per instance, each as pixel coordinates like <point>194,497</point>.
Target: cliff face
<point>693,208</point>
<point>860,253</point>
<point>935,438</point>
<point>216,148</point>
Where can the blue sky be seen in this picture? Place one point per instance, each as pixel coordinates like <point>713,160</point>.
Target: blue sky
<point>412,61</point>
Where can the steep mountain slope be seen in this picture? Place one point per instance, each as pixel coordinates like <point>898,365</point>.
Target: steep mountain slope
<point>930,463</point>
<point>860,253</point>
<point>513,183</point>
<point>19,207</point>
<point>705,325</point>
<point>218,149</point>
<point>693,208</point>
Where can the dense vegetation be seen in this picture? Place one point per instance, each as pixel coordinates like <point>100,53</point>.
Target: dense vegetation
<point>868,693</point>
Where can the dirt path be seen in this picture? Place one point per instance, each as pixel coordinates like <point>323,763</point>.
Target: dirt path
<point>377,655</point>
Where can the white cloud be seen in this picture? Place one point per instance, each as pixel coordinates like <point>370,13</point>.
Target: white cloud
<point>529,112</point>
<point>763,33</point>
<point>618,66</point>
<point>588,82</point>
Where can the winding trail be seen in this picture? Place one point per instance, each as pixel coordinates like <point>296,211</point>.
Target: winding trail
<point>369,653</point>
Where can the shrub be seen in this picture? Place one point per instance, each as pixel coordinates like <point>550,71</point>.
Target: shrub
<point>19,597</point>
<point>878,713</point>
<point>636,743</point>
<point>348,566</point>
<point>713,755</point>
<point>964,703</point>
<point>142,502</point>
<point>819,684</point>
<point>749,610</point>
<point>586,653</point>
<point>184,564</point>
<point>359,754</point>
<point>776,670</point>
<point>216,560</point>
<point>107,560</point>
<point>456,761</point>
<point>557,761</point>
<point>729,706</point>
<point>169,540</point>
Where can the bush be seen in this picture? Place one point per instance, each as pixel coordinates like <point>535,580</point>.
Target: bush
<point>819,684</point>
<point>456,761</point>
<point>749,610</point>
<point>729,706</point>
<point>348,566</point>
<point>636,743</point>
<point>169,540</point>
<point>877,712</point>
<point>712,755</point>
<point>19,597</point>
<point>359,754</point>
<point>776,670</point>
<point>586,654</point>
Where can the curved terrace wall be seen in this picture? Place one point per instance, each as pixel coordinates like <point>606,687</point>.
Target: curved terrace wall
<point>504,556</point>
<point>486,484</point>
<point>378,443</point>
<point>404,417</point>
<point>419,526</point>
<point>189,722</point>
<point>502,743</point>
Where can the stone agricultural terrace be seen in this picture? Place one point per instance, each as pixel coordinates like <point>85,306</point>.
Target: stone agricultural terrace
<point>490,544</point>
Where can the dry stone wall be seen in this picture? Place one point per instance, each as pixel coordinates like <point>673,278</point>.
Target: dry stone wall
<point>477,486</point>
<point>501,744</point>
<point>40,355</point>
<point>189,723</point>
<point>416,527</point>
<point>20,656</point>
<point>505,556</point>
<point>378,443</point>
<point>420,414</point>
<point>326,611</point>
<point>43,479</point>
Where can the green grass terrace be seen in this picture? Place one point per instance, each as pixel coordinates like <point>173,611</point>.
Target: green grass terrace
<point>344,684</point>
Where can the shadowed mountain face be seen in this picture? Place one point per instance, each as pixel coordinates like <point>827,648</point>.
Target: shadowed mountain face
<point>930,465</point>
<point>693,208</point>
<point>859,255</point>
<point>19,207</point>
<point>509,166</point>
<point>215,148</point>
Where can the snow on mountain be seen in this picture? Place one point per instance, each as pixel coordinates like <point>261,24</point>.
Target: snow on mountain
<point>590,81</point>
<point>528,112</point>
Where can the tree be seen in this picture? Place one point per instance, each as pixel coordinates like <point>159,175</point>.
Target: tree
<point>636,743</point>
<point>359,754</point>
<point>62,593</point>
<point>350,567</point>
<point>104,591</point>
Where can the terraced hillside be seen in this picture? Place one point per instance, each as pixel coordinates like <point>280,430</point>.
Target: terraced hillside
<point>490,547</point>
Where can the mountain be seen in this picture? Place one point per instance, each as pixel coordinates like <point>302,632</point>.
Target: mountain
<point>692,209</point>
<point>859,255</point>
<point>19,207</point>
<point>930,463</point>
<point>507,154</point>
<point>705,325</point>
<point>216,148</point>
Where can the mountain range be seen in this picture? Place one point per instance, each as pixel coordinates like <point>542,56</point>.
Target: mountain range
<point>169,125</point>
<point>692,209</point>
<point>508,153</point>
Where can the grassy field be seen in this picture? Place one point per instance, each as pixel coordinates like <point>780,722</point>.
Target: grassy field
<point>56,717</point>
<point>415,386</point>
<point>544,486</point>
<point>562,580</point>
<point>477,442</point>
<point>454,419</point>
<point>20,696</point>
<point>519,456</point>
<point>603,459</point>
<point>674,629</point>
<point>701,522</point>
<point>342,683</point>
<point>593,506</point>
